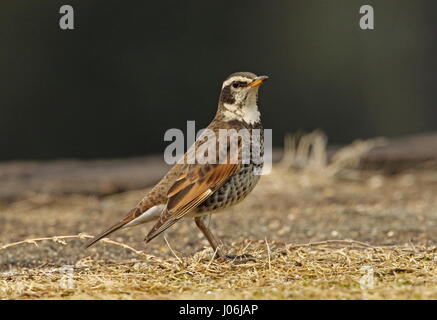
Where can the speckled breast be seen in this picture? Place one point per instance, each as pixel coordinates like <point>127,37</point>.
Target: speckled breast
<point>233,191</point>
<point>238,186</point>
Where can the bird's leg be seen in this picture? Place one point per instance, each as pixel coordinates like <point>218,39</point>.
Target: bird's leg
<point>200,222</point>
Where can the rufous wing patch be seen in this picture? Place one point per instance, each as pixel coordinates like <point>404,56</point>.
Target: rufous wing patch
<point>190,190</point>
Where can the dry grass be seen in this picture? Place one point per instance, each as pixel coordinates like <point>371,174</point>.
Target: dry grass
<point>321,271</point>
<point>299,219</point>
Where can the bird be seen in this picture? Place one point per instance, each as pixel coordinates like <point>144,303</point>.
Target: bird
<point>197,190</point>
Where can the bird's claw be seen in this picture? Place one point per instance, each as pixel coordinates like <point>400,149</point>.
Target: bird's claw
<point>238,259</point>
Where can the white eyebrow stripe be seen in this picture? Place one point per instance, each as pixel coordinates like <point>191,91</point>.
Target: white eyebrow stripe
<point>235,78</point>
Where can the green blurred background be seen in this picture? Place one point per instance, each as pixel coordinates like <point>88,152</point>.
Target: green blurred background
<point>133,69</point>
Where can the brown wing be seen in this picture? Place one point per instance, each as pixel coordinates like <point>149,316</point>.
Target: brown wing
<point>196,182</point>
<point>192,187</point>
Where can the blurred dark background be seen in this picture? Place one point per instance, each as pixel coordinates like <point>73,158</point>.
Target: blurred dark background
<point>131,70</point>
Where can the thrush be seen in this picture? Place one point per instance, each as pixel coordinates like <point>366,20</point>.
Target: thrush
<point>196,190</point>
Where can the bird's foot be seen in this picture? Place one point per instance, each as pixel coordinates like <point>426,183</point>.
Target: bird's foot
<point>238,259</point>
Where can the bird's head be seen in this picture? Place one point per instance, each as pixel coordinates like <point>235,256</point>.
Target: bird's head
<point>238,98</point>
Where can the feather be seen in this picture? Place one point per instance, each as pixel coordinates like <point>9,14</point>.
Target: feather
<point>190,190</point>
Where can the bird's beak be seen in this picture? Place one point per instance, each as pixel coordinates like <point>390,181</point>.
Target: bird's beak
<point>257,81</point>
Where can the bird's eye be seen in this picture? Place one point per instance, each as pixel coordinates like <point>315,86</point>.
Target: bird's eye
<point>237,84</point>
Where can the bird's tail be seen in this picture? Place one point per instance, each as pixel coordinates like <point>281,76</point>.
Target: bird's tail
<point>107,232</point>
<point>135,213</point>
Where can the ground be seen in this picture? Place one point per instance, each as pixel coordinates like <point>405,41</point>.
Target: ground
<point>358,234</point>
